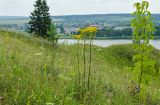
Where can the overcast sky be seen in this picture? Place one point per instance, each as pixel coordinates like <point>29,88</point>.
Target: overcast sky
<point>69,7</point>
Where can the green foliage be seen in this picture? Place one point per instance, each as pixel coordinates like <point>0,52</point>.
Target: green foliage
<point>83,82</point>
<point>115,33</point>
<point>143,32</point>
<point>40,19</point>
<point>52,33</point>
<point>33,73</point>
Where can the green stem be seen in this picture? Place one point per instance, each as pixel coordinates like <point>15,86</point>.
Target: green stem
<point>140,79</point>
<point>90,62</point>
<point>84,55</point>
<point>79,74</point>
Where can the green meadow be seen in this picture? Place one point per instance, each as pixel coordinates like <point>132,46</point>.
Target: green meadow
<point>33,72</point>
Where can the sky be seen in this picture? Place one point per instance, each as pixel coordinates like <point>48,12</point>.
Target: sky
<point>74,7</point>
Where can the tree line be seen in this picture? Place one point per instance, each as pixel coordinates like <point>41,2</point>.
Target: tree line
<point>123,33</point>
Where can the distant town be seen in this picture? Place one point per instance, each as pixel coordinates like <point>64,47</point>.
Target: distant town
<point>109,25</point>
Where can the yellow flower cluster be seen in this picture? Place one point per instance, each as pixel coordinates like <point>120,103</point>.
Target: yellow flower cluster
<point>90,29</point>
<point>77,36</point>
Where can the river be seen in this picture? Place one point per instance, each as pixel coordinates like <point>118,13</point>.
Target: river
<point>106,43</point>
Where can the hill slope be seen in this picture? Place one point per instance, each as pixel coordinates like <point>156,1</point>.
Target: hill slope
<point>32,72</point>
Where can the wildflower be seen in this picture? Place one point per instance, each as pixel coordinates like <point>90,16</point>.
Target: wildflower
<point>82,31</point>
<point>38,54</point>
<point>88,32</point>
<point>91,29</point>
<point>49,103</point>
<point>77,36</point>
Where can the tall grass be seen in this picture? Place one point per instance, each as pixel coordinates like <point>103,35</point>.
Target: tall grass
<point>33,73</point>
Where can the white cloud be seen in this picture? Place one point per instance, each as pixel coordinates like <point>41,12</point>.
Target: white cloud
<point>67,7</point>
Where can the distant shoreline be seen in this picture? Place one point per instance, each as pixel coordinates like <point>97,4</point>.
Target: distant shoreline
<point>108,38</point>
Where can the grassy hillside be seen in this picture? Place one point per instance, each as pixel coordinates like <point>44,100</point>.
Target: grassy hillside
<point>32,72</point>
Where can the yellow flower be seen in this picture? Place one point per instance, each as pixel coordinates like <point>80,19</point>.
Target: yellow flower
<point>88,32</point>
<point>77,36</point>
<point>90,29</point>
<point>82,31</point>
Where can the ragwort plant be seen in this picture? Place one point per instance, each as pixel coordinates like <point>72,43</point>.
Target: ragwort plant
<point>143,32</point>
<point>87,35</point>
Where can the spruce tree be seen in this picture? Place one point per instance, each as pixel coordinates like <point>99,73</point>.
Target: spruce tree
<point>40,19</point>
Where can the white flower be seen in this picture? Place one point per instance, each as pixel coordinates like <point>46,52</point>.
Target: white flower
<point>38,54</point>
<point>50,103</point>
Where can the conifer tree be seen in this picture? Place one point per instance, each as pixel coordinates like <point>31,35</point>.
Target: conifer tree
<point>40,19</point>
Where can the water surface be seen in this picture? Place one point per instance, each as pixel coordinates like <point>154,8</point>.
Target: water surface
<point>107,43</point>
